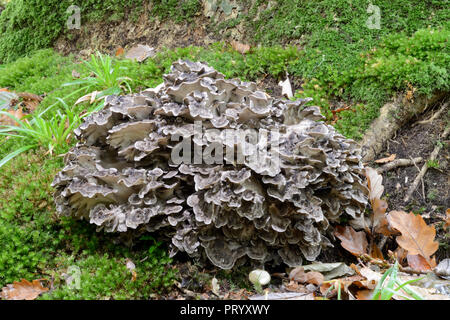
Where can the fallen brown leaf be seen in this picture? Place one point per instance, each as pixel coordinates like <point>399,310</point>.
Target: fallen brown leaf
<point>417,262</point>
<point>417,237</point>
<point>299,274</point>
<point>374,183</point>
<point>240,47</point>
<point>23,290</point>
<point>401,255</point>
<point>294,286</point>
<point>375,252</point>
<point>326,291</point>
<point>372,277</point>
<point>7,121</point>
<point>75,74</point>
<point>120,51</point>
<point>379,218</point>
<point>352,241</point>
<point>364,294</point>
<point>30,100</point>
<point>387,159</point>
<point>140,53</point>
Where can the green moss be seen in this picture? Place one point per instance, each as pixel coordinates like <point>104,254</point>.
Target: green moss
<point>29,25</point>
<point>41,72</point>
<point>36,243</point>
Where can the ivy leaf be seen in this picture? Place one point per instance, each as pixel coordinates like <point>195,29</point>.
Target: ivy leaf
<point>417,237</point>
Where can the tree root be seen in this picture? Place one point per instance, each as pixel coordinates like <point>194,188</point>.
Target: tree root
<point>399,163</point>
<point>424,169</point>
<point>392,116</point>
<point>435,116</point>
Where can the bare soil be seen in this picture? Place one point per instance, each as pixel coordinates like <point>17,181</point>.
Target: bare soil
<point>431,198</point>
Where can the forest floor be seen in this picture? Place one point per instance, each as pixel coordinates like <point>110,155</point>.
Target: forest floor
<point>349,71</point>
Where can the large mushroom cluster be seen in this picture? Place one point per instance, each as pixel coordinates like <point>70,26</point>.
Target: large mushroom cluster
<point>173,160</point>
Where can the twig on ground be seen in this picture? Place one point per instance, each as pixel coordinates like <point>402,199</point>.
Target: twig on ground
<point>382,242</point>
<point>378,262</point>
<point>412,271</point>
<point>399,163</point>
<point>435,116</point>
<point>423,184</point>
<point>424,169</point>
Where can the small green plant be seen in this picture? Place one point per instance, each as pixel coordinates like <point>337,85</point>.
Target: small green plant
<point>51,134</point>
<point>386,289</point>
<point>432,194</point>
<point>104,74</point>
<point>433,164</point>
<point>335,285</point>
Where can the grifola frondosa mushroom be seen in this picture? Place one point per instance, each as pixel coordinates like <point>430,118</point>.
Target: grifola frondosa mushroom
<point>217,167</point>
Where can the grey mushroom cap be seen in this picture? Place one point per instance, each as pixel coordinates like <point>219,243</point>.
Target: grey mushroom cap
<point>278,207</point>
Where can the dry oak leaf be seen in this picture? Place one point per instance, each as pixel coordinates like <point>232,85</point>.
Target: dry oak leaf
<point>419,263</point>
<point>23,290</point>
<point>400,254</point>
<point>294,286</point>
<point>75,74</point>
<point>352,241</point>
<point>119,52</point>
<point>375,251</point>
<point>30,100</point>
<point>387,159</point>
<point>140,53</point>
<point>8,121</point>
<point>364,294</point>
<point>417,237</point>
<point>374,183</point>
<point>379,218</point>
<point>240,47</point>
<point>299,274</point>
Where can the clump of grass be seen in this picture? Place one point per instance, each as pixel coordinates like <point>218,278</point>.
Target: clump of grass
<point>386,289</point>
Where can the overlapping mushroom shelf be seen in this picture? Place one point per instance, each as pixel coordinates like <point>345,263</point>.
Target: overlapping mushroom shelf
<point>121,176</point>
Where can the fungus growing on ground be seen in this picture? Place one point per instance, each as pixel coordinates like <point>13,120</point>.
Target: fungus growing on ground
<point>217,167</point>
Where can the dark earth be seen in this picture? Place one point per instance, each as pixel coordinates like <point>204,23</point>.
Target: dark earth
<point>432,198</point>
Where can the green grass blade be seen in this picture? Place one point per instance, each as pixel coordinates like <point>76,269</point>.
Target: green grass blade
<point>15,153</point>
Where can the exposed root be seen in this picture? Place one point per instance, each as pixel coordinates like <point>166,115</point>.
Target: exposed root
<point>399,163</point>
<point>424,169</point>
<point>392,116</point>
<point>435,116</point>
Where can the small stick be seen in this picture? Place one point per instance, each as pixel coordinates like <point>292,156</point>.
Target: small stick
<point>419,177</point>
<point>412,271</point>
<point>399,163</point>
<point>423,184</point>
<point>378,262</point>
<point>437,114</point>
